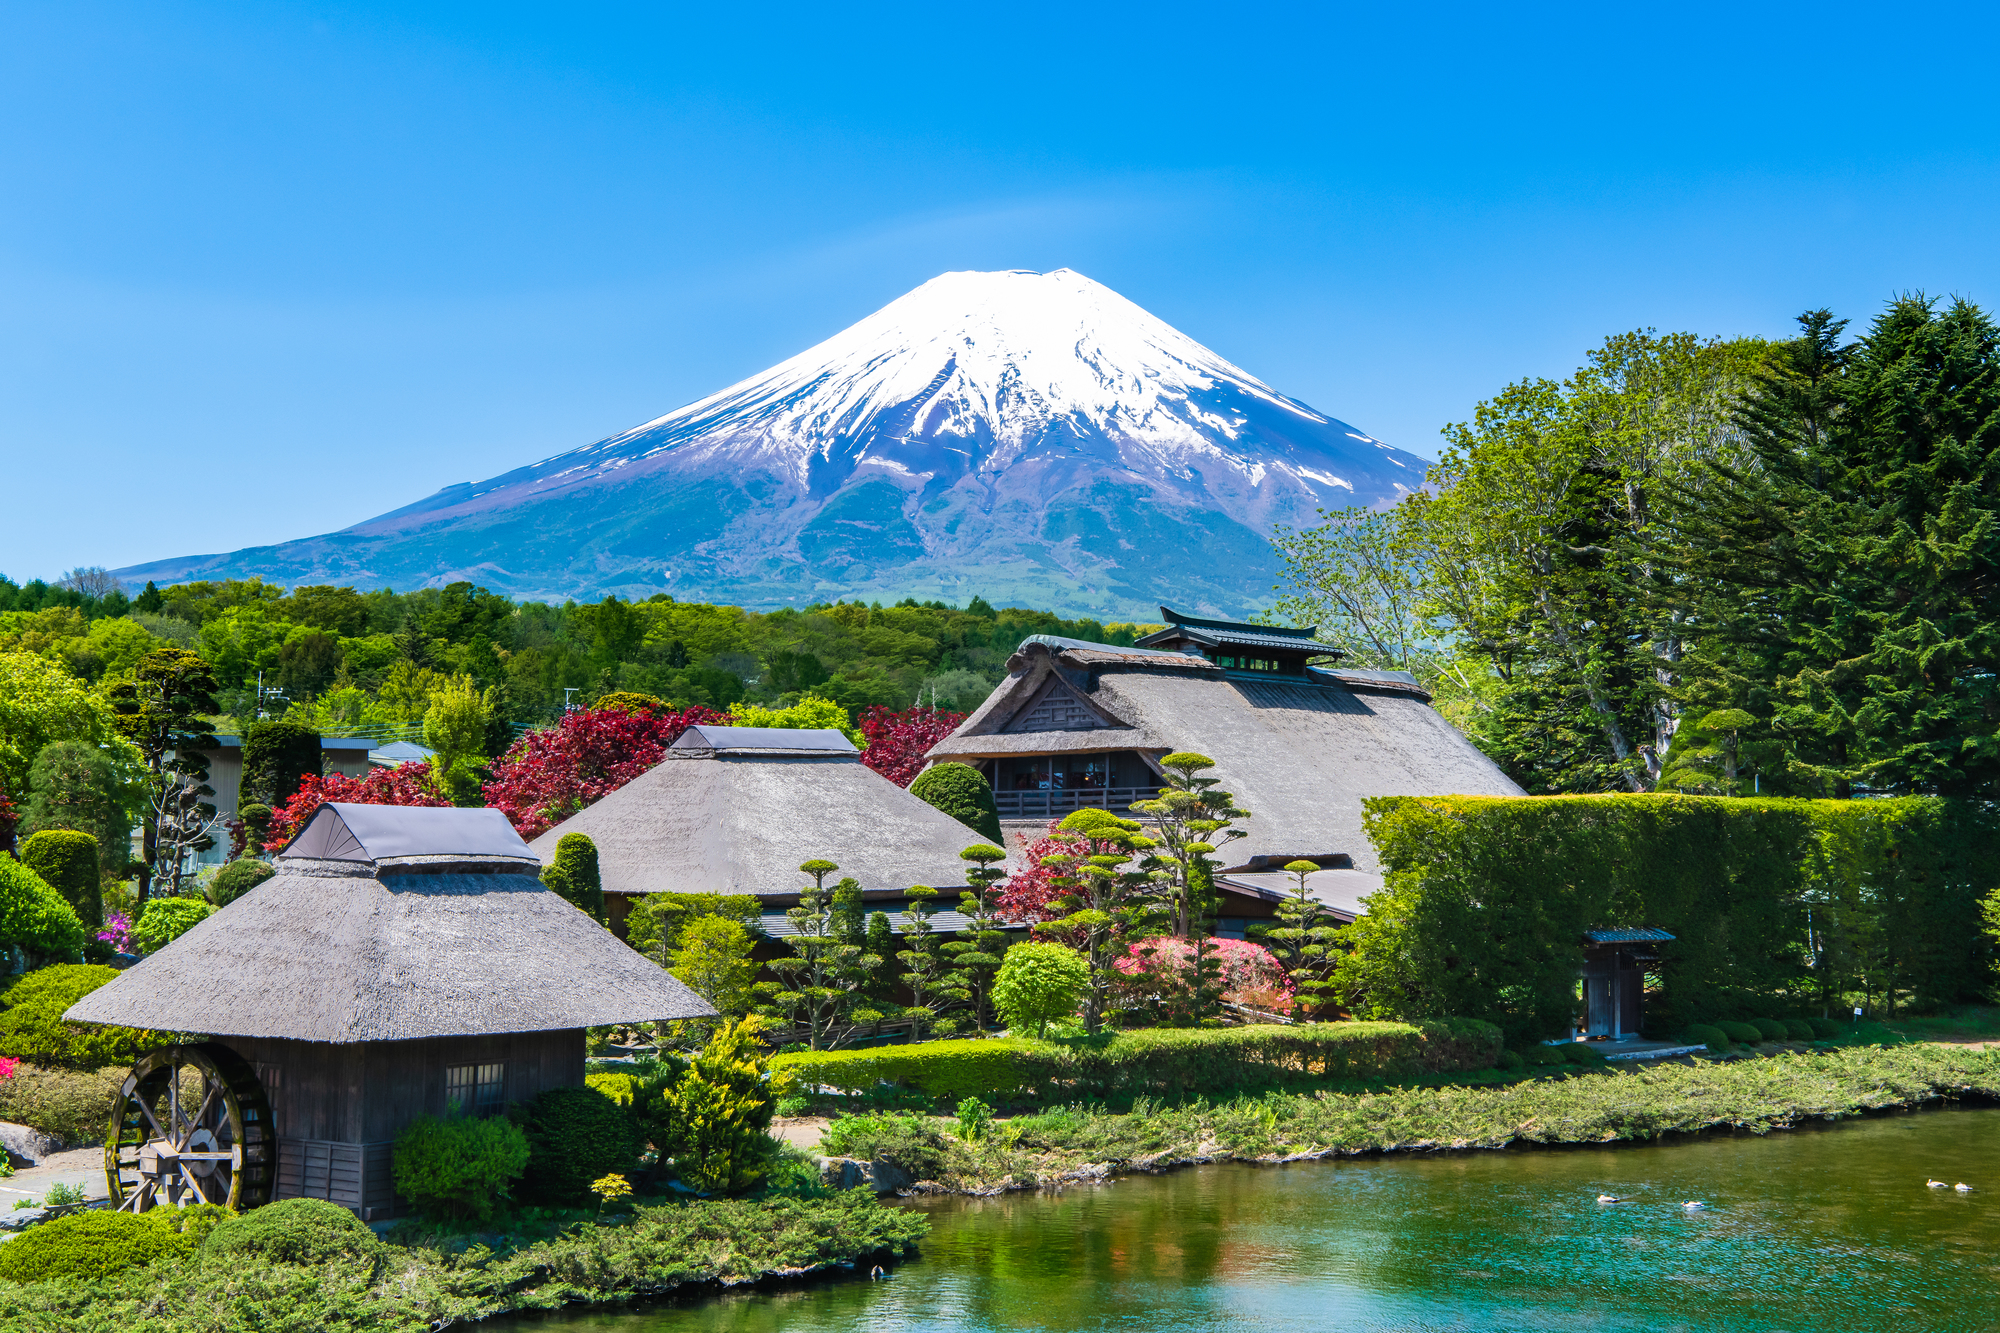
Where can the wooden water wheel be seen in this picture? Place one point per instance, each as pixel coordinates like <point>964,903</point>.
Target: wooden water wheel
<point>184,1139</point>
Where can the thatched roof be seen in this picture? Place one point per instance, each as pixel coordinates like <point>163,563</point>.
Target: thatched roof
<point>444,932</point>
<point>728,818</point>
<point>1299,753</point>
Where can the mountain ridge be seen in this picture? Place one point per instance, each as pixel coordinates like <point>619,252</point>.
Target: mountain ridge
<point>1029,437</point>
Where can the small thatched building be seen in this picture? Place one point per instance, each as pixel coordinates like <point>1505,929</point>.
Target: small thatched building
<point>736,810</point>
<point>401,961</point>
<point>1298,739</point>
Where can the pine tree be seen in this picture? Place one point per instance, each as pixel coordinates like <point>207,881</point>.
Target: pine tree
<point>164,710</point>
<point>1108,899</point>
<point>976,953</point>
<point>1304,942</point>
<point>1191,816</point>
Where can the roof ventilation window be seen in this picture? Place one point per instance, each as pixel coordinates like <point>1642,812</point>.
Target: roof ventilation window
<point>339,831</point>
<point>723,740</point>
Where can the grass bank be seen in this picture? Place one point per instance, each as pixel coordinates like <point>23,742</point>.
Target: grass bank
<point>425,1280</point>
<point>1758,1095</point>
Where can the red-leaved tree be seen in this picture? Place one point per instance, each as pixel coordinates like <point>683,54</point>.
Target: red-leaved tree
<point>898,742</point>
<point>553,772</point>
<point>1026,894</point>
<point>409,784</point>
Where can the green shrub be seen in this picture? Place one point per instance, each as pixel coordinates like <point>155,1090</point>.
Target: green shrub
<point>1797,1029</point>
<point>67,862</point>
<point>1169,1061</point>
<point>714,1120</point>
<point>238,878</point>
<point>293,1231</point>
<point>164,920</point>
<point>1709,1035</point>
<point>961,791</point>
<point>1773,1029</point>
<point>277,753</point>
<point>1511,1060</point>
<point>34,916</point>
<point>913,1145</point>
<point>1038,984</point>
<point>1826,1029</point>
<point>575,1135</point>
<point>1747,1033</point>
<point>458,1167</point>
<point>86,1246</point>
<point>256,820</point>
<point>1543,1056</point>
<point>72,1105</point>
<point>1579,1053</point>
<point>32,1026</point>
<point>574,875</point>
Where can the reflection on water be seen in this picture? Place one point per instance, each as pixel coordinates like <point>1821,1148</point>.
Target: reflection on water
<point>1826,1231</point>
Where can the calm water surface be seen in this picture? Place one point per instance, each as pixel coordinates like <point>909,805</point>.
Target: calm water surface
<point>1827,1231</point>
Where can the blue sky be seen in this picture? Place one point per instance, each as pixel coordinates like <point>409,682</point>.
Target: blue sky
<point>268,270</point>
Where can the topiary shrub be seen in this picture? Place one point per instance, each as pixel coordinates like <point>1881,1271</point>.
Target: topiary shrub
<point>459,1167</point>
<point>1797,1029</point>
<point>32,1026</point>
<point>1826,1029</point>
<point>959,790</point>
<point>1747,1033</point>
<point>1511,1060</point>
<point>34,918</point>
<point>67,862</point>
<point>1038,984</point>
<point>70,1104</point>
<point>277,753</point>
<point>1579,1053</point>
<point>238,878</point>
<point>575,1135</point>
<point>165,920</point>
<point>574,875</point>
<point>1540,1055</point>
<point>293,1231</point>
<point>1708,1035</point>
<point>1773,1029</point>
<point>85,1246</point>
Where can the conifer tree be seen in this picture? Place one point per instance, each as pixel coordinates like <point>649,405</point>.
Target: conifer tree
<point>975,954</point>
<point>1303,941</point>
<point>1108,899</point>
<point>1191,816</point>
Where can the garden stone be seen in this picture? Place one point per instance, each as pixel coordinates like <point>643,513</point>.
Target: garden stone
<point>23,1142</point>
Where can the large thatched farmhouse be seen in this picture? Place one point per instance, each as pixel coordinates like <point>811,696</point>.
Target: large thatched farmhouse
<point>1298,739</point>
<point>736,810</point>
<point>402,961</point>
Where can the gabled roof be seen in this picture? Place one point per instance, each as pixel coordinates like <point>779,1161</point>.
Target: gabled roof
<point>421,939</point>
<point>723,821</point>
<point>1628,935</point>
<point>823,740</point>
<point>1237,634</point>
<point>1301,753</point>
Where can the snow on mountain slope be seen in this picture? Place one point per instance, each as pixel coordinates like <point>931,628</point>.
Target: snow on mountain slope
<point>1025,436</point>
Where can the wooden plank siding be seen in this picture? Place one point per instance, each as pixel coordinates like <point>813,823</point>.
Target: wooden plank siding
<point>337,1109</point>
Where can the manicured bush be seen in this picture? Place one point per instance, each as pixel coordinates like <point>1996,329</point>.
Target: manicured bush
<point>459,1167</point>
<point>34,917</point>
<point>238,878</point>
<point>32,1026</point>
<point>72,1105</point>
<point>1747,1033</point>
<point>713,1120</point>
<point>1579,1053</point>
<point>1169,1061</point>
<point>1797,1029</point>
<point>962,792</point>
<point>1542,1056</point>
<point>1038,984</point>
<point>165,920</point>
<point>1511,1060</point>
<point>575,1135</point>
<point>67,862</point>
<point>293,1231</point>
<point>277,753</point>
<point>574,875</point>
<point>84,1246</point>
<point>1826,1029</point>
<point>1708,1035</point>
<point>1774,1029</point>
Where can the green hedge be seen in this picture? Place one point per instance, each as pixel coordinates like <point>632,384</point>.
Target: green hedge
<point>1747,1033</point>
<point>1708,1035</point>
<point>293,1231</point>
<point>67,862</point>
<point>35,917</point>
<point>32,1026</point>
<point>1486,899</point>
<point>72,1105</point>
<point>1158,1061</point>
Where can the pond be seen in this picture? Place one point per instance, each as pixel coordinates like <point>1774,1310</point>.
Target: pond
<point>1829,1230</point>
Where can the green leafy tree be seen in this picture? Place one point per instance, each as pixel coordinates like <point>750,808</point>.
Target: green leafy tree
<point>574,875</point>
<point>1039,984</point>
<point>456,725</point>
<point>975,955</point>
<point>654,925</point>
<point>67,862</point>
<point>962,792</point>
<point>41,704</point>
<point>1191,816</point>
<point>164,920</point>
<point>712,958</point>
<point>720,1113</point>
<point>277,753</point>
<point>83,788</point>
<point>1305,942</point>
<point>164,712</point>
<point>823,986</point>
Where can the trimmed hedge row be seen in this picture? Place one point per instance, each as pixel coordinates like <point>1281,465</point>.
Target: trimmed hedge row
<point>1158,1061</point>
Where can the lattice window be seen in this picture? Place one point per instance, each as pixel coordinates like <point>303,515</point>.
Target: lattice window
<point>474,1088</point>
<point>1058,710</point>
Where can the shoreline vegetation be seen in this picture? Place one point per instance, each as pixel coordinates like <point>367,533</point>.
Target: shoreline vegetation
<point>423,1279</point>
<point>1077,1144</point>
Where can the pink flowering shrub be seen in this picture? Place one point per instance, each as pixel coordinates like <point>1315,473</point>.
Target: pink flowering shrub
<point>117,932</point>
<point>1162,971</point>
<point>8,1064</point>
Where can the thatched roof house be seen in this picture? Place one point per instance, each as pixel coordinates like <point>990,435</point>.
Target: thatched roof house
<point>400,960</point>
<point>735,810</point>
<point>1298,739</point>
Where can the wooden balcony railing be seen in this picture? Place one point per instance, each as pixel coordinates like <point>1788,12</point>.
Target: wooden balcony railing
<point>1053,803</point>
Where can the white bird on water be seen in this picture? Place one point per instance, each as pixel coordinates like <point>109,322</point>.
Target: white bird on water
<point>1935,1184</point>
<point>1609,1198</point>
<point>1692,1204</point>
<point>1962,1187</point>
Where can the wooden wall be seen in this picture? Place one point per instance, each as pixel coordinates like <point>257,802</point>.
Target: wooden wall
<point>337,1109</point>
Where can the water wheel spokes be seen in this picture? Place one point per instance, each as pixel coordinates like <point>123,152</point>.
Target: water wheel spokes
<point>191,1125</point>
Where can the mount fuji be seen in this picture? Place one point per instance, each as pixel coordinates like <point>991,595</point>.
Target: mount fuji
<point>1032,438</point>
